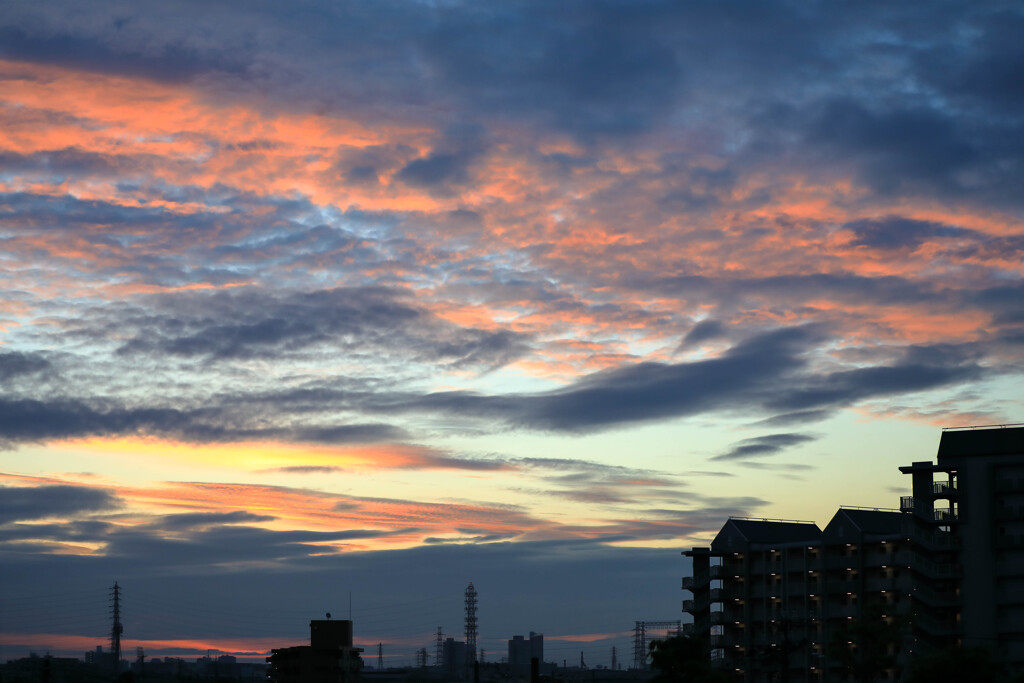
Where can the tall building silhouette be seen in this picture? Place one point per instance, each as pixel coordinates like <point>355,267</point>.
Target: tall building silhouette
<point>875,587</point>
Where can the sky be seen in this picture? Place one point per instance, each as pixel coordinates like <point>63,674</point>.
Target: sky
<point>313,304</point>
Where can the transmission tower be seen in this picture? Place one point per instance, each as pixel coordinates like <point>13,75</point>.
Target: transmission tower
<point>421,658</point>
<point>640,639</point>
<point>116,629</point>
<point>380,656</point>
<point>439,649</point>
<point>470,624</point>
<point>615,662</point>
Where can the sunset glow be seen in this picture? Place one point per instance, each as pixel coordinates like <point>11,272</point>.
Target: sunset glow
<point>376,299</point>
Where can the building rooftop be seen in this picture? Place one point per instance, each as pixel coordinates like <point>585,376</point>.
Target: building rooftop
<point>996,440</point>
<point>874,521</point>
<point>771,531</point>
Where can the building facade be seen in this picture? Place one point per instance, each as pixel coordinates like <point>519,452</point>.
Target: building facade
<point>874,588</point>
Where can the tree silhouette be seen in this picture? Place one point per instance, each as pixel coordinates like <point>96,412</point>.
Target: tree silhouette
<point>683,659</point>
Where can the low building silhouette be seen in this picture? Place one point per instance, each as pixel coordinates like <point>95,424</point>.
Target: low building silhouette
<point>454,652</point>
<point>521,650</point>
<point>329,658</point>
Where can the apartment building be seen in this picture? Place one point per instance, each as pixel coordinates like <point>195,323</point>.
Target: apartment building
<point>874,588</point>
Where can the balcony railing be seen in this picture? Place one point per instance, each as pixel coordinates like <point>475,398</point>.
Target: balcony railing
<point>719,571</point>
<point>920,508</point>
<point>945,488</point>
<point>937,570</point>
<point>934,626</point>
<point>934,598</point>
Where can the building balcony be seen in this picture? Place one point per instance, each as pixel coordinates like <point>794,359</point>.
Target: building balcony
<point>839,562</point>
<point>718,618</point>
<point>934,598</point>
<point>935,627</point>
<point>886,583</point>
<point>946,489</point>
<point>719,571</point>
<point>900,558</point>
<point>694,606</point>
<point>691,583</point>
<point>934,540</point>
<point>841,611</point>
<point>923,510</point>
<point>936,570</point>
<point>689,629</point>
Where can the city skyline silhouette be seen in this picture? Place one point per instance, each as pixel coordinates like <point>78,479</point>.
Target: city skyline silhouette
<point>307,301</point>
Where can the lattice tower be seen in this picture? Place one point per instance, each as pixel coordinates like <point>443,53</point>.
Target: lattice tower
<point>470,623</point>
<point>116,628</point>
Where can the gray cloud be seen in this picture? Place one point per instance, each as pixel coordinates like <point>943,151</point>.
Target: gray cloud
<point>759,446</point>
<point>32,420</point>
<point>259,323</point>
<point>893,232</point>
<point>15,364</point>
<point>704,331</point>
<point>29,503</point>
